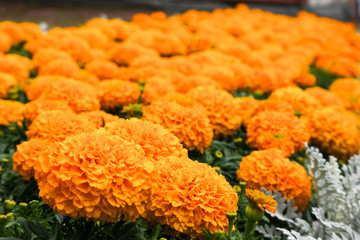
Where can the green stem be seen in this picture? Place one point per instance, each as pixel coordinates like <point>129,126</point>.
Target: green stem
<point>249,229</point>
<point>157,231</point>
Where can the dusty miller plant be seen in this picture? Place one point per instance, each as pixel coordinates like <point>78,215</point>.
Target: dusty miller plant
<point>337,193</point>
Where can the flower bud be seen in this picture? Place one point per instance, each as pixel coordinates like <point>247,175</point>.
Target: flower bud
<point>253,213</point>
<point>9,205</point>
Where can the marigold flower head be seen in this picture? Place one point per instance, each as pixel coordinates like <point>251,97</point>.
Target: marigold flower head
<point>246,106</point>
<point>299,99</point>
<point>10,111</point>
<point>6,82</point>
<point>99,118</point>
<point>156,141</point>
<point>32,30</point>
<point>259,199</point>
<point>14,30</point>
<point>103,69</point>
<point>98,54</point>
<point>222,75</point>
<point>43,42</point>
<point>305,79</point>
<point>125,53</point>
<point>340,66</point>
<point>348,89</point>
<point>117,93</point>
<point>156,87</point>
<point>78,95</point>
<point>190,124</point>
<point>191,195</point>
<point>272,129</point>
<point>56,125</point>
<point>33,108</point>
<point>78,48</point>
<point>219,105</point>
<point>325,97</point>
<point>5,41</point>
<point>274,105</point>
<point>27,155</point>
<point>97,176</point>
<point>15,65</point>
<point>93,36</point>
<point>270,169</point>
<point>61,67</point>
<point>39,84</point>
<point>335,132</point>
<point>87,77</point>
<point>47,55</point>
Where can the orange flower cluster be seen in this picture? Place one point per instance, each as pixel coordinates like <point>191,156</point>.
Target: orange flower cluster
<point>219,105</point>
<point>6,82</point>
<point>270,169</point>
<point>10,111</point>
<point>259,199</point>
<point>97,176</point>
<point>27,155</point>
<point>273,129</point>
<point>191,196</point>
<point>190,124</point>
<point>348,89</point>
<point>335,131</point>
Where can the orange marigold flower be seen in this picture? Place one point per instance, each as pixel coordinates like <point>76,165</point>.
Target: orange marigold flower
<point>258,199</point>
<point>10,111</point>
<point>335,132</point>
<point>272,129</point>
<point>45,41</point>
<point>97,176</point>
<point>5,42</point>
<point>121,29</point>
<point>32,30</point>
<point>220,107</point>
<point>246,106</point>
<point>6,82</point>
<point>103,69</point>
<point>340,66</point>
<point>222,75</point>
<point>27,155</point>
<point>156,87</point>
<point>78,48</point>
<point>274,105</point>
<point>78,95</point>
<point>99,118</point>
<point>190,124</point>
<point>93,36</point>
<point>33,108</point>
<point>15,65</point>
<point>270,169</point>
<point>60,67</point>
<point>87,77</point>
<point>56,125</point>
<point>47,55</point>
<point>325,97</point>
<point>126,53</point>
<point>14,30</point>
<point>348,89</point>
<point>191,196</point>
<point>39,84</point>
<point>117,93</point>
<point>156,141</point>
<point>98,54</point>
<point>302,102</point>
<point>305,79</point>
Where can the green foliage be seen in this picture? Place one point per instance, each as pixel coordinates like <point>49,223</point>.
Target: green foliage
<point>323,78</point>
<point>20,50</point>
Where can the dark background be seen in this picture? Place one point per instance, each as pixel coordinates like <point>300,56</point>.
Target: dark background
<point>75,12</point>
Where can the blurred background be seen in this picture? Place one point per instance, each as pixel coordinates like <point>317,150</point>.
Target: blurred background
<point>75,12</point>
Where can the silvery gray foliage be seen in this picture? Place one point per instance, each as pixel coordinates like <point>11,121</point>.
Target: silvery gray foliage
<point>338,197</point>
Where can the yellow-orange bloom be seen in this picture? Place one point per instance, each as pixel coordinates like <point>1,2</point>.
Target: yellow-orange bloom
<point>77,47</point>
<point>6,82</point>
<point>270,169</point>
<point>194,81</point>
<point>5,42</point>
<point>56,125</point>
<point>39,84</point>
<point>305,79</point>
<point>61,67</point>
<point>157,87</point>
<point>302,102</point>
<point>335,132</point>
<point>14,30</point>
<point>97,176</point>
<point>246,106</point>
<point>258,199</point>
<point>325,97</point>
<point>99,118</point>
<point>103,69</point>
<point>191,196</point>
<point>190,124</point>
<point>125,53</point>
<point>27,155</point>
<point>15,65</point>
<point>47,55</point>
<point>10,111</point>
<point>220,107</point>
<point>33,108</point>
<point>156,141</point>
<point>272,129</point>
<point>78,95</point>
<point>117,93</point>
<point>348,89</point>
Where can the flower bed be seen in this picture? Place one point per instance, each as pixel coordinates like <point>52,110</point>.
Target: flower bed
<point>153,128</point>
